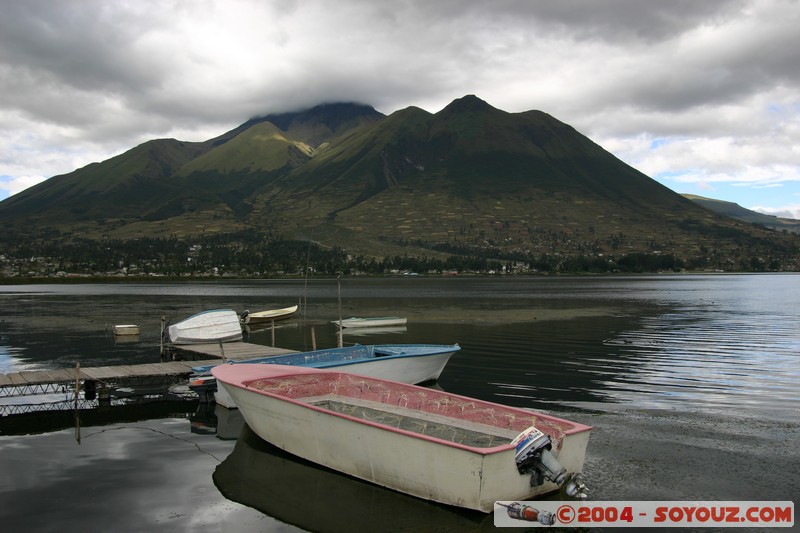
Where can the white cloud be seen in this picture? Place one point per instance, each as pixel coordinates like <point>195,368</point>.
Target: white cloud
<point>702,90</point>
<point>13,185</point>
<point>787,211</point>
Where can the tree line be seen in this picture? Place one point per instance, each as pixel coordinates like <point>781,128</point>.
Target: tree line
<point>254,254</point>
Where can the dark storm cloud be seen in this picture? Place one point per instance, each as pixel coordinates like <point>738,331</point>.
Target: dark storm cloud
<point>82,80</point>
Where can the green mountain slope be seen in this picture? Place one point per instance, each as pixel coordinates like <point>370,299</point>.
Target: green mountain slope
<point>262,147</point>
<point>125,185</point>
<point>169,186</point>
<point>475,177</point>
<point>470,180</point>
<point>734,210</point>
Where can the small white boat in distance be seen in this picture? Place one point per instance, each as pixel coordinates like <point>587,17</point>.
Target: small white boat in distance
<point>126,329</point>
<point>421,441</point>
<point>216,325</point>
<point>374,322</point>
<point>409,363</point>
<point>365,332</point>
<point>262,317</point>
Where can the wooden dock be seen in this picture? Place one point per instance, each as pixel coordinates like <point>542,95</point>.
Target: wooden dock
<point>233,351</point>
<point>37,382</point>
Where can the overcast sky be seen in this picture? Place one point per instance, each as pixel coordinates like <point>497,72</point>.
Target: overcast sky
<point>702,95</point>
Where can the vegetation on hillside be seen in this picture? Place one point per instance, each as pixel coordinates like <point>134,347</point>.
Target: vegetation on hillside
<point>255,255</point>
<point>468,188</point>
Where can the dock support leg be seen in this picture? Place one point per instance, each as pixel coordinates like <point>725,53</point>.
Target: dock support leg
<point>77,398</point>
<point>163,325</point>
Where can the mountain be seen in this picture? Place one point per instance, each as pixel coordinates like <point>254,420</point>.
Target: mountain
<point>165,178</point>
<point>733,210</point>
<point>468,180</point>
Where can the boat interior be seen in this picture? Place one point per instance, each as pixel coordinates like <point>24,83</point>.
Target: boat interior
<point>441,427</point>
<point>409,407</point>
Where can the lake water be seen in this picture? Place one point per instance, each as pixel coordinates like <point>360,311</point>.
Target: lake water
<point>712,341</point>
<point>711,351</point>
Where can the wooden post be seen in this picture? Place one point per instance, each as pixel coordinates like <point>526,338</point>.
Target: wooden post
<point>313,339</point>
<point>339,295</point>
<point>222,351</point>
<point>77,397</point>
<point>77,383</point>
<point>161,337</point>
<point>273,332</point>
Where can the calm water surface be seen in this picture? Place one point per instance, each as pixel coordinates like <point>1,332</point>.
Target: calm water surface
<point>702,342</point>
<point>696,348</point>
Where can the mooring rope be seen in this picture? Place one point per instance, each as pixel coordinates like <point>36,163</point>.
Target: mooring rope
<point>196,445</point>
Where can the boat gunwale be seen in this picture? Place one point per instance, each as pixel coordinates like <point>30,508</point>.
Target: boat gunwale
<point>371,321</point>
<point>370,318</point>
<point>247,385</point>
<point>445,349</point>
<point>205,313</point>
<point>273,314</point>
<point>382,427</point>
<point>291,308</point>
<point>336,364</point>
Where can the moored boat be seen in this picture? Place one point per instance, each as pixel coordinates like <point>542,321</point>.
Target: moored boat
<point>371,322</point>
<point>262,317</point>
<point>409,363</point>
<point>314,498</point>
<point>421,441</point>
<point>126,329</point>
<point>365,332</point>
<point>216,325</point>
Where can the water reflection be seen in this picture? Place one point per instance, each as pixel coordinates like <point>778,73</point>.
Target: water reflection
<point>690,342</point>
<point>719,360</point>
<point>314,498</point>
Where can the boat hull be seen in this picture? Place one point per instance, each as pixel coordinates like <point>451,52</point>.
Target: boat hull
<point>421,465</point>
<point>265,317</point>
<point>219,325</point>
<point>377,322</point>
<point>411,369</point>
<point>314,498</point>
<point>126,329</point>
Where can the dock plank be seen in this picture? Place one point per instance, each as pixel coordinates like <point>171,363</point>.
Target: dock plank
<point>233,350</point>
<point>237,351</point>
<point>127,371</point>
<point>176,367</point>
<point>151,369</point>
<point>30,376</point>
<point>35,377</point>
<point>17,379</point>
<point>100,372</point>
<point>58,375</point>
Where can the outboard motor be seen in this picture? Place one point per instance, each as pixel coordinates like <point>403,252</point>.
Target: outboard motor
<point>533,457</point>
<point>518,511</point>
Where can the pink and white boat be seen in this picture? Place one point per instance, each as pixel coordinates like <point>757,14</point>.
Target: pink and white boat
<point>421,441</point>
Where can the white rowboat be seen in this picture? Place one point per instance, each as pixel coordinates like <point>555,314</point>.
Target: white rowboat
<point>262,317</point>
<point>374,322</point>
<point>126,329</point>
<point>217,325</point>
<point>424,442</point>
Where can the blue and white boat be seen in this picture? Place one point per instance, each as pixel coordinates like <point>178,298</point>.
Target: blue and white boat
<point>407,363</point>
